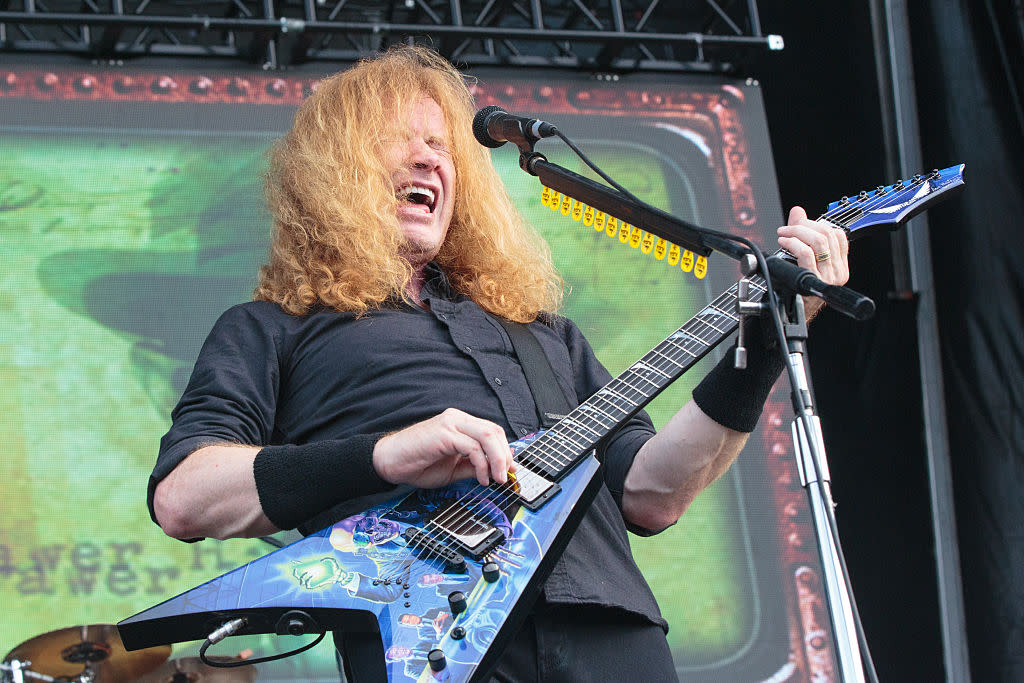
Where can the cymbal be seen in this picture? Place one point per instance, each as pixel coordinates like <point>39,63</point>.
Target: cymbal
<point>192,670</point>
<point>67,651</point>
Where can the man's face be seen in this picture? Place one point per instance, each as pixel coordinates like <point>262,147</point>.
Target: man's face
<point>423,176</point>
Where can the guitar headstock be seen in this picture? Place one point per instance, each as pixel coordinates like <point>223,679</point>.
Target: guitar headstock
<point>891,205</point>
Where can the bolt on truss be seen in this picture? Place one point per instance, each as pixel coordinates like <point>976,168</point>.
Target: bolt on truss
<point>706,35</point>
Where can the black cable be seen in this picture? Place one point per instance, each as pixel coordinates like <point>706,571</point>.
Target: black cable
<point>259,660</point>
<point>595,168</point>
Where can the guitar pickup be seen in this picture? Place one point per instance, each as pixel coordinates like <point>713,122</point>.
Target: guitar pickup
<point>467,530</point>
<point>429,548</point>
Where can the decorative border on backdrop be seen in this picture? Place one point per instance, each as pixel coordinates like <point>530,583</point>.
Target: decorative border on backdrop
<point>716,111</point>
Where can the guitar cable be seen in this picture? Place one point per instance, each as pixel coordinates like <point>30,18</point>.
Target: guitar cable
<point>231,628</point>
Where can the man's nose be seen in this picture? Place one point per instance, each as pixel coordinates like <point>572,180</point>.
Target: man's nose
<point>422,155</point>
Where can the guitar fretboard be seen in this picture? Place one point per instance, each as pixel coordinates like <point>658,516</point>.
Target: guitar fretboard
<point>560,447</point>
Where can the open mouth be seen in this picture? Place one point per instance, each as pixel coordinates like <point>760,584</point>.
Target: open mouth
<point>418,195</point>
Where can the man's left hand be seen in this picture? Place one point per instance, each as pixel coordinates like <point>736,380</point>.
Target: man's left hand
<point>819,247</point>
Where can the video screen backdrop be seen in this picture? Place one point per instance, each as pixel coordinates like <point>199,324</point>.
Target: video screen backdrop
<point>131,216</point>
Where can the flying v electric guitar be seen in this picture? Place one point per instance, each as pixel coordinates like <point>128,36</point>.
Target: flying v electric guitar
<point>446,576</point>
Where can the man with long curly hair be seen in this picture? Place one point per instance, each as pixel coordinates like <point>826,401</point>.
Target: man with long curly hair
<point>370,362</point>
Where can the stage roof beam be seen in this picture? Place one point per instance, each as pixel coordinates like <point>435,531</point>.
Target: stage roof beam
<point>705,35</point>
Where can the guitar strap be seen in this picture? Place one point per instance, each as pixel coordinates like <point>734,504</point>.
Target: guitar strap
<point>551,402</point>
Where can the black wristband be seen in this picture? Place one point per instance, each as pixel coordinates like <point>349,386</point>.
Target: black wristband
<point>735,398</point>
<point>295,483</point>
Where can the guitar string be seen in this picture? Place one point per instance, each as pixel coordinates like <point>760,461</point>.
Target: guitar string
<point>571,426</point>
<point>838,215</point>
<point>651,359</point>
<point>505,492</point>
<point>845,212</point>
<point>839,212</point>
<point>624,379</point>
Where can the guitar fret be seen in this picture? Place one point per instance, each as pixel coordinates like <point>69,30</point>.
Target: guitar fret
<point>671,360</point>
<point>551,453</point>
<point>709,324</point>
<point>643,379</point>
<point>558,434</point>
<point>723,312</point>
<point>624,384</point>
<point>570,422</point>
<point>636,388</point>
<point>644,367</point>
<point>682,336</point>
<point>553,449</point>
<point>582,420</point>
<point>618,395</point>
<point>687,356</point>
<point>658,364</point>
<point>609,403</point>
<point>588,406</point>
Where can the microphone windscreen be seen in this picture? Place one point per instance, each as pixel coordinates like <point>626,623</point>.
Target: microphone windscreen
<point>480,127</point>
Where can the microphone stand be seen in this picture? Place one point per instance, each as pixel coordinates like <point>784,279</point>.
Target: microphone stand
<point>851,644</point>
<point>812,465</point>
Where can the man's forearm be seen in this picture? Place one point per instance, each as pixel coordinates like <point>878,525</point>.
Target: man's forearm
<point>680,461</point>
<point>212,494</point>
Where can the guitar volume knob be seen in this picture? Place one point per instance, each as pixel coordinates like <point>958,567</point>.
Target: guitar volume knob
<point>457,601</point>
<point>437,661</point>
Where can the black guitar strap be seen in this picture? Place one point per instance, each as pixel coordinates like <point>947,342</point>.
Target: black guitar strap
<point>552,403</point>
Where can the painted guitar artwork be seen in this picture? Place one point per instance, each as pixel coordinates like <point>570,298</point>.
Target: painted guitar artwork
<point>446,576</point>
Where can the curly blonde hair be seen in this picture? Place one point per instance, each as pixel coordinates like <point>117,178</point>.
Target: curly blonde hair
<point>336,234</point>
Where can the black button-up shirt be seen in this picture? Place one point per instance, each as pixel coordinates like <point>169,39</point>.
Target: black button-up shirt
<point>267,377</point>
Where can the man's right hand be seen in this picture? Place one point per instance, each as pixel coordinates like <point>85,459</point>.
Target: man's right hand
<point>446,448</point>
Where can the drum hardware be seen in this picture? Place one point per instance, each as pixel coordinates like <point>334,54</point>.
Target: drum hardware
<point>80,654</point>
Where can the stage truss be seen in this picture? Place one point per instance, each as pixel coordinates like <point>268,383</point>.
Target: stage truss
<point>606,35</point>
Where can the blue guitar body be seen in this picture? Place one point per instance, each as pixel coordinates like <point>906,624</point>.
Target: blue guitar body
<point>444,577</point>
<point>371,573</point>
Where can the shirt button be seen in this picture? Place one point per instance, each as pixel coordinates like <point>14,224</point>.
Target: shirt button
<point>443,316</point>
<point>523,431</point>
<point>497,380</point>
<point>469,350</point>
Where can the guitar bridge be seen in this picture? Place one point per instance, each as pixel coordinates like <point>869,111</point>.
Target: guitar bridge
<point>531,489</point>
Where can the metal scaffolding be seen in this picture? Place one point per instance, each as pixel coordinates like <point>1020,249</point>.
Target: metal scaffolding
<point>611,35</point>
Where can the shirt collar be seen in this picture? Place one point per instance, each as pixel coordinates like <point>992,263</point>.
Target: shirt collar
<point>436,284</point>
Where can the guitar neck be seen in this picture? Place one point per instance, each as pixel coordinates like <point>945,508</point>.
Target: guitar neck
<point>560,447</point>
<point>557,450</point>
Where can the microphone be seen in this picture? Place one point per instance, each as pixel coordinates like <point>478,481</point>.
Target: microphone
<point>493,127</point>
<point>802,281</point>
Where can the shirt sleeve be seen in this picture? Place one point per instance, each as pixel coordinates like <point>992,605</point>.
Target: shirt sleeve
<point>619,449</point>
<point>232,394</point>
